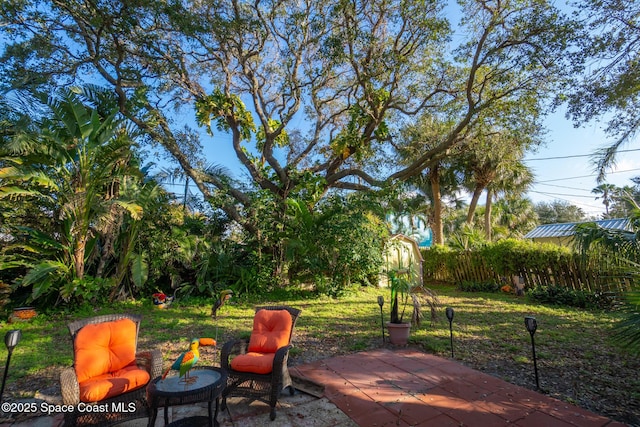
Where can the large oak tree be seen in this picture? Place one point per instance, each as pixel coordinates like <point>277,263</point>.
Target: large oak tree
<point>312,94</point>
<point>608,59</point>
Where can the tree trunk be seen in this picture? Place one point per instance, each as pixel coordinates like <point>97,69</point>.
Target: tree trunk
<point>109,235</point>
<point>474,203</point>
<point>78,257</point>
<point>438,229</point>
<point>487,215</point>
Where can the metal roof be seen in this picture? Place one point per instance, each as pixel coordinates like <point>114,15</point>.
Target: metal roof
<point>567,228</point>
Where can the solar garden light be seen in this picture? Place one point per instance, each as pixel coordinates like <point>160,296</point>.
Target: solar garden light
<point>449,312</point>
<point>11,340</point>
<point>381,303</point>
<point>532,325</point>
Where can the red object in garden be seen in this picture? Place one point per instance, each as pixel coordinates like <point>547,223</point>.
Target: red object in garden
<point>161,300</point>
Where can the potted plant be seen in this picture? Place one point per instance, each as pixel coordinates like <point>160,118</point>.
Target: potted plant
<point>407,294</point>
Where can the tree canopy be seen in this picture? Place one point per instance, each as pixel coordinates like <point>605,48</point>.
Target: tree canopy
<point>312,94</point>
<point>608,60</point>
<point>314,98</point>
<point>559,211</point>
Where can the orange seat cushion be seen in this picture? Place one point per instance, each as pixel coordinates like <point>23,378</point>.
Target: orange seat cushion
<point>271,330</point>
<point>257,363</point>
<point>105,360</point>
<point>113,384</point>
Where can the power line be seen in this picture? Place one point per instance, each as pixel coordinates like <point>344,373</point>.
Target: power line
<point>586,176</point>
<point>568,201</point>
<point>561,194</point>
<point>564,186</point>
<point>573,156</point>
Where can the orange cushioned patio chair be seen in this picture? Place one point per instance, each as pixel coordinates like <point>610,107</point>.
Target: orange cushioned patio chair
<point>107,370</point>
<point>257,367</point>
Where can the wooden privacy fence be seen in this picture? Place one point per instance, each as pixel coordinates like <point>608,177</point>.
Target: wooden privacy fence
<point>594,275</point>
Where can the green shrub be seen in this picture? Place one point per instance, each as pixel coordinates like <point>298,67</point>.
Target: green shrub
<point>339,243</point>
<point>439,261</point>
<point>511,256</point>
<point>560,295</point>
<point>488,286</point>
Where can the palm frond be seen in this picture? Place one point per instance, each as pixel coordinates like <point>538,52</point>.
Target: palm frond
<point>218,171</point>
<point>42,272</point>
<point>134,209</point>
<point>627,332</point>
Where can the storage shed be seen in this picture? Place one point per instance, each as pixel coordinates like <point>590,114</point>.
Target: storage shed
<point>562,233</point>
<point>402,254</point>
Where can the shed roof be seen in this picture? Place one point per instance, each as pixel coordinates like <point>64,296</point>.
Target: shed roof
<point>567,228</point>
<point>412,242</point>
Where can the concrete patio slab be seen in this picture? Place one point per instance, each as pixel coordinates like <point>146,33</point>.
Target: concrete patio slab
<point>400,387</point>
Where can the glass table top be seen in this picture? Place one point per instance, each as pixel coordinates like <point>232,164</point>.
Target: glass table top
<point>199,378</point>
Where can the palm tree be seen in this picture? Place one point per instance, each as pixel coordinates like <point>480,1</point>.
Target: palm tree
<point>623,201</point>
<point>516,215</point>
<point>440,179</point>
<point>492,162</point>
<point>606,192</point>
<point>512,179</point>
<point>73,168</point>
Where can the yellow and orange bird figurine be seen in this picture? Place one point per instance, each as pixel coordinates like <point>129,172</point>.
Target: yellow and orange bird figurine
<point>187,360</point>
<point>224,297</point>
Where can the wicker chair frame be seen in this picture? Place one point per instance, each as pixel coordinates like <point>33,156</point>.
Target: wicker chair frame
<point>151,361</point>
<point>263,387</point>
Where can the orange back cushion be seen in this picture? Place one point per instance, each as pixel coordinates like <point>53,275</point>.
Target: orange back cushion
<point>271,330</point>
<point>104,347</point>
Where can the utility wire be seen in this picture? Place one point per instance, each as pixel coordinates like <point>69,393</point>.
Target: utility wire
<point>564,186</point>
<point>586,176</point>
<point>562,194</point>
<point>573,156</point>
<point>565,200</point>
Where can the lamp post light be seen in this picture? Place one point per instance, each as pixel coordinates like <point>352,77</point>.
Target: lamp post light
<point>449,312</point>
<point>381,303</point>
<point>531,325</point>
<point>11,340</point>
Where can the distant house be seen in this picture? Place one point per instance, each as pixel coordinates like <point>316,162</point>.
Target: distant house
<point>562,233</point>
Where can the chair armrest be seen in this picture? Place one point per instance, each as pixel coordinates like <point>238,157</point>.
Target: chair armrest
<point>150,361</point>
<point>230,349</point>
<point>69,386</point>
<point>280,359</point>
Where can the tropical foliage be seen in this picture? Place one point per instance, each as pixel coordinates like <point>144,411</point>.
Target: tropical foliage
<point>340,244</point>
<point>625,247</point>
<point>309,97</point>
<point>76,166</point>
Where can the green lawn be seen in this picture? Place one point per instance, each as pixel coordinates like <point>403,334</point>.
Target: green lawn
<point>577,362</point>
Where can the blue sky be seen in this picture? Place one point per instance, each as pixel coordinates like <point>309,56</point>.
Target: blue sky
<point>568,174</point>
<point>564,176</point>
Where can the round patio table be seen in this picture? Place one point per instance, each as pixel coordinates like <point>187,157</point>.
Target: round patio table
<point>172,391</point>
